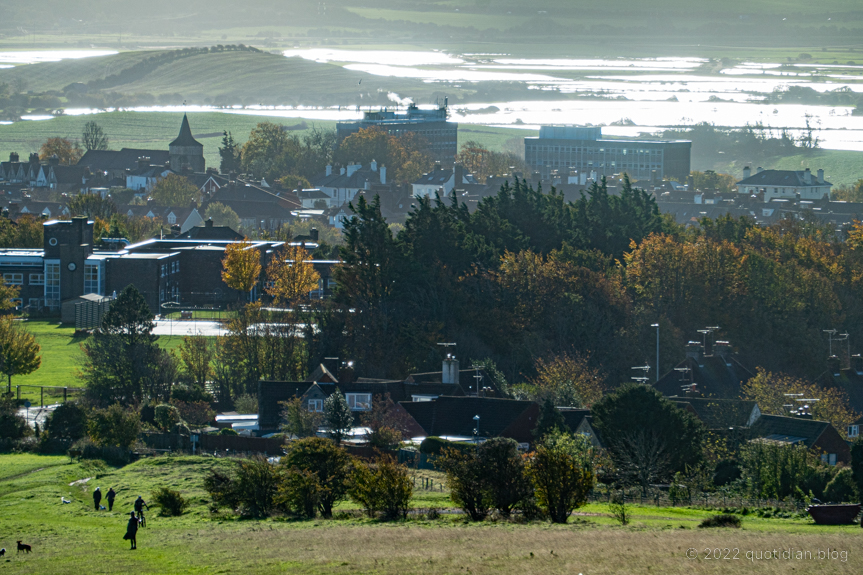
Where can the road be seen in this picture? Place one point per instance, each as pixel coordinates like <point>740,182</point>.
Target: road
<point>189,327</point>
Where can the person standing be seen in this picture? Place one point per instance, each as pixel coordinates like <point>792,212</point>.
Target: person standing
<point>97,498</point>
<point>111,495</point>
<point>132,530</point>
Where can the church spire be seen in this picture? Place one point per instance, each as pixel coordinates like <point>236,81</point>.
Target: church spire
<point>185,138</point>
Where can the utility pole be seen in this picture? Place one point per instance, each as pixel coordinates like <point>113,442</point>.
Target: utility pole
<point>656,325</point>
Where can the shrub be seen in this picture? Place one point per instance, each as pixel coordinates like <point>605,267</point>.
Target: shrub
<point>167,416</point>
<point>842,488</point>
<point>251,489</point>
<point>68,421</point>
<point>170,501</point>
<point>227,431</point>
<point>435,446</point>
<point>503,467</point>
<point>329,462</point>
<point>114,426</point>
<point>300,492</point>
<point>190,394</point>
<point>109,453</point>
<point>724,520</point>
<point>617,506</point>
<point>194,412</point>
<point>222,489</point>
<point>385,488</point>
<point>857,466</point>
<point>12,425</point>
<point>246,404</point>
<point>467,481</point>
<point>561,470</point>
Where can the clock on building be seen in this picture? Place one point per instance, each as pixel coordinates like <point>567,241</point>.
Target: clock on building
<point>71,267</point>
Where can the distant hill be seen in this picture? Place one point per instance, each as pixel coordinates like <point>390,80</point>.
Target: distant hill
<point>212,77</point>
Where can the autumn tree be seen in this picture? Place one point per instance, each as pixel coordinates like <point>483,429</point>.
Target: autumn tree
<point>19,352</point>
<point>175,190</point>
<point>94,137</point>
<point>482,162</point>
<point>92,206</point>
<point>568,380</point>
<point>561,470</point>
<point>771,392</point>
<point>196,355</point>
<point>291,275</point>
<point>404,154</point>
<point>298,421</point>
<point>241,266</point>
<point>68,152</point>
<point>270,152</point>
<point>710,180</point>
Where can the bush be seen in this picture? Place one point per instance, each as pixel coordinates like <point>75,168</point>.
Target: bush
<point>170,501</point>
<point>467,481</point>
<point>329,462</point>
<point>68,421</point>
<point>561,470</point>
<point>842,488</point>
<point>246,404</point>
<point>385,488</point>
<point>300,492</point>
<point>617,506</point>
<point>166,417</point>
<point>194,412</point>
<point>252,489</point>
<point>111,454</point>
<point>503,467</point>
<point>435,446</point>
<point>724,520</point>
<point>190,394</point>
<point>114,426</point>
<point>12,425</point>
<point>227,431</point>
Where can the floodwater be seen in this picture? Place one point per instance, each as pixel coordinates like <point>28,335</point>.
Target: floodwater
<point>36,56</point>
<point>631,97</point>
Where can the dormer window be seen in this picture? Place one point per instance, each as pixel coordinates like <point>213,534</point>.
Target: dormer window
<point>359,401</point>
<point>172,219</point>
<point>853,430</point>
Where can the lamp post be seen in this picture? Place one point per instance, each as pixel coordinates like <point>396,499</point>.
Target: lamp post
<point>476,430</point>
<point>830,333</point>
<point>656,325</point>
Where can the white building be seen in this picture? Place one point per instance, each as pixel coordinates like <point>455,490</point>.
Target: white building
<point>784,184</point>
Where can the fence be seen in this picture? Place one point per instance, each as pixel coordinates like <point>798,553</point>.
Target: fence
<point>53,391</point>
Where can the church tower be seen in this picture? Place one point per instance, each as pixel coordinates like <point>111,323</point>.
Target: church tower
<point>186,152</point>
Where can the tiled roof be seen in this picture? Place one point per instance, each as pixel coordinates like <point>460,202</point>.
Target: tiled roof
<point>721,413</point>
<point>126,158</point>
<point>454,415</point>
<point>715,378</point>
<point>777,425</point>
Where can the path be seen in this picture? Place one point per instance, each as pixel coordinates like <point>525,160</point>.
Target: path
<point>189,327</point>
<point>36,414</point>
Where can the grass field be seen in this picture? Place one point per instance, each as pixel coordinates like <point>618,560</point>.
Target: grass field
<point>61,359</point>
<point>74,539</point>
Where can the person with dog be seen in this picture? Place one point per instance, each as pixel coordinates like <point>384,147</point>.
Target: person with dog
<point>111,495</point>
<point>97,498</point>
<point>132,530</point>
<point>139,510</point>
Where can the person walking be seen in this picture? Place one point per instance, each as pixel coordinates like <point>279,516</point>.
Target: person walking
<point>111,496</point>
<point>97,498</point>
<point>132,530</point>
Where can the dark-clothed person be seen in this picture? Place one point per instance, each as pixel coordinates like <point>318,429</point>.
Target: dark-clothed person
<point>97,498</point>
<point>132,530</point>
<point>111,496</point>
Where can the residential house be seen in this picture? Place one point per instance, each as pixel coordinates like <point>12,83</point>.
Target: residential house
<point>145,177</point>
<point>787,184</point>
<point>12,172</point>
<point>721,414</point>
<point>712,373</point>
<point>441,181</point>
<point>854,428</point>
<point>467,418</point>
<point>580,421</point>
<point>186,218</point>
<point>820,436</point>
<point>342,187</point>
<point>115,163</point>
<point>209,232</point>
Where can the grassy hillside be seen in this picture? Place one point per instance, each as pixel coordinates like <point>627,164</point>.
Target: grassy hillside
<point>234,77</point>
<point>72,538</point>
<point>840,167</point>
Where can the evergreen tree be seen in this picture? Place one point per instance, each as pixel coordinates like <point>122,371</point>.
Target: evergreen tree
<point>229,152</point>
<point>550,420</point>
<point>338,416</point>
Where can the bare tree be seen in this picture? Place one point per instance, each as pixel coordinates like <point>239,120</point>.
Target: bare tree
<point>642,458</point>
<point>94,137</point>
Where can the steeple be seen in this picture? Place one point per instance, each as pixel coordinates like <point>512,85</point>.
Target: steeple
<point>185,138</point>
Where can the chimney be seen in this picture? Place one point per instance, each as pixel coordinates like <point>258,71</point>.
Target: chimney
<point>723,350</point>
<point>458,170</point>
<point>807,176</point>
<point>208,223</point>
<point>34,158</point>
<point>437,166</point>
<point>746,172</point>
<point>143,162</point>
<point>342,172</point>
<point>450,370</point>
<point>383,174</point>
<point>54,160</point>
<point>374,166</point>
<point>820,176</point>
<point>759,169</point>
<point>329,171</point>
<point>313,233</point>
<point>857,364</point>
<point>13,157</point>
<point>695,350</point>
<point>353,168</point>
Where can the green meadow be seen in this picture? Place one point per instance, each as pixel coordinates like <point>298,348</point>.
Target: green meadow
<point>73,538</point>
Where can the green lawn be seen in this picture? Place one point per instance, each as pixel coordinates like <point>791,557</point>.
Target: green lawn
<point>73,538</point>
<point>61,360</point>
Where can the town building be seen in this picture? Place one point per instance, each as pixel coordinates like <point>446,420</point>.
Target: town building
<point>441,181</point>
<point>784,184</point>
<point>584,151</point>
<point>432,126</point>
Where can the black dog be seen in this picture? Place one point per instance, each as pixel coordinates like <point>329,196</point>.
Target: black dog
<point>24,547</point>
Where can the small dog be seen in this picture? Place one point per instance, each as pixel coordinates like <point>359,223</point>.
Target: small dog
<point>2,552</point>
<point>24,547</point>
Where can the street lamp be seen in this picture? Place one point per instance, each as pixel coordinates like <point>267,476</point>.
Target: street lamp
<point>476,429</point>
<point>656,325</point>
<point>830,333</point>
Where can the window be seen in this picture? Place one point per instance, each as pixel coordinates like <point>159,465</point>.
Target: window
<point>52,284</point>
<point>37,279</point>
<point>92,283</point>
<point>17,302</point>
<point>853,430</point>
<point>359,401</point>
<point>35,303</point>
<point>316,405</point>
<point>172,219</point>
<point>13,279</point>
<point>423,398</point>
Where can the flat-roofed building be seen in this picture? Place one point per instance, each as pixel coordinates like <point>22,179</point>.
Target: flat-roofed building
<point>568,149</point>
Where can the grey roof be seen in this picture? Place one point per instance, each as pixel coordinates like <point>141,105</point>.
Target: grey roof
<point>454,415</point>
<point>721,413</point>
<point>124,159</point>
<point>789,178</point>
<point>778,426</point>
